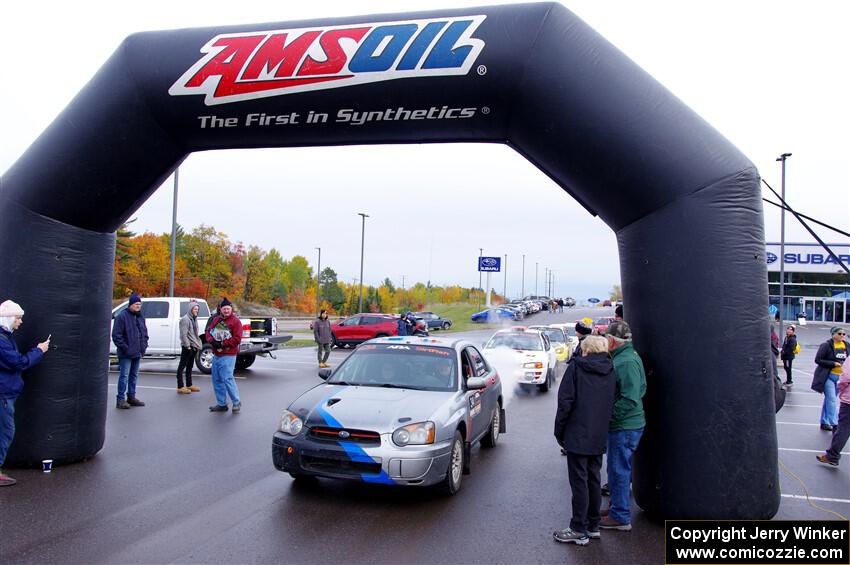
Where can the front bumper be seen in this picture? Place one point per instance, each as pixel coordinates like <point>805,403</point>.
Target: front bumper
<point>416,465</point>
<point>262,346</point>
<point>530,376</point>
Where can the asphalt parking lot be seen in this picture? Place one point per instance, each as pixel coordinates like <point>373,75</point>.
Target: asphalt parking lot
<point>176,483</point>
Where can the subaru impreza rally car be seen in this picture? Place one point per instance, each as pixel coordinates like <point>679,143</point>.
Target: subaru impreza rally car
<point>398,410</point>
<point>532,360</point>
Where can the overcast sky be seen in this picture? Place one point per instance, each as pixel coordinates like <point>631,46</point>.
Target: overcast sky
<point>769,75</point>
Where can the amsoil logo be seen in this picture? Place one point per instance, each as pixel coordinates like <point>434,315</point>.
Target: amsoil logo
<point>249,65</point>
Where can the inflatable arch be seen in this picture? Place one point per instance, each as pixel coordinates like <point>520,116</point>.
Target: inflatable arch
<point>683,201</point>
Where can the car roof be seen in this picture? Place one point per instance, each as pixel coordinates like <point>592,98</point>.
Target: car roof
<point>453,343</point>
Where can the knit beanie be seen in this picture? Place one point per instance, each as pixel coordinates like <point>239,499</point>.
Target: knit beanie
<point>134,298</point>
<point>224,302</point>
<point>583,327</point>
<point>833,331</point>
<point>12,309</point>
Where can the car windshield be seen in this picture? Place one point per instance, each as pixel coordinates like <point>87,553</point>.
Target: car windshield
<point>525,342</point>
<point>554,335</point>
<point>399,366</point>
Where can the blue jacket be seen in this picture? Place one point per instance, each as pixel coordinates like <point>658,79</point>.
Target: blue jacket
<point>402,326</point>
<point>12,363</point>
<point>130,334</point>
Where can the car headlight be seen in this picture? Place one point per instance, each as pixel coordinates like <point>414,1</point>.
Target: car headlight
<point>536,365</point>
<point>290,423</point>
<point>415,434</point>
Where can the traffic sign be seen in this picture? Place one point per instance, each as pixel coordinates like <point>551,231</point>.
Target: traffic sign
<point>490,264</point>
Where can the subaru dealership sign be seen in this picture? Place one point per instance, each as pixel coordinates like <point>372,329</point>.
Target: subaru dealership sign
<point>490,264</point>
<point>808,257</point>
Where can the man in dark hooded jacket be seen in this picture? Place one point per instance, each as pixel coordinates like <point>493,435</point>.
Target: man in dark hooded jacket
<point>585,400</point>
<point>130,335</point>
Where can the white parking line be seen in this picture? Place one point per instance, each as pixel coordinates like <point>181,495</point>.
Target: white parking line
<point>797,423</point>
<point>808,450</point>
<point>804,405</point>
<point>151,387</point>
<point>822,499</point>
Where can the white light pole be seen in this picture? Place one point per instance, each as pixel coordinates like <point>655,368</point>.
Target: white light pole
<point>522,292</point>
<point>782,158</point>
<point>505,287</point>
<point>173,235</point>
<point>535,279</point>
<point>362,245</point>
<point>480,254</point>
<point>318,283</point>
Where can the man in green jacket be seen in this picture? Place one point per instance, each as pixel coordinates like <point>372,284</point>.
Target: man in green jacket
<point>627,423</point>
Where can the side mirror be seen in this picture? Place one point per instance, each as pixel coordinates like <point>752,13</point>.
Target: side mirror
<point>324,374</point>
<point>475,383</point>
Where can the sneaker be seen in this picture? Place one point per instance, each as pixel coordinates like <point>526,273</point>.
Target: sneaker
<point>608,523</point>
<point>788,385</point>
<point>826,427</point>
<point>237,407</point>
<point>193,388</point>
<point>122,404</point>
<point>6,480</point>
<point>133,401</point>
<point>184,390</point>
<point>569,536</point>
<point>218,408</point>
<point>593,534</point>
<point>605,490</point>
<point>823,458</point>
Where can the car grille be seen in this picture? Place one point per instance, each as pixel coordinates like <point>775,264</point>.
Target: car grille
<point>339,466</point>
<point>363,437</point>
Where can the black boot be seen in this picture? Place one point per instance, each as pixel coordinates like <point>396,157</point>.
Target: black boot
<point>133,401</point>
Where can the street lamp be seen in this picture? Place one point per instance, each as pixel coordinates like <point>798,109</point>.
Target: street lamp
<point>782,158</point>
<point>362,245</point>
<point>522,292</point>
<point>318,283</point>
<point>535,279</point>
<point>173,235</point>
<point>480,254</point>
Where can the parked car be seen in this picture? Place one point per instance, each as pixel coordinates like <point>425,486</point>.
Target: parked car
<point>162,316</point>
<point>601,324</point>
<point>534,361</point>
<point>399,411</point>
<point>363,327</point>
<point>569,302</point>
<point>492,315</point>
<point>434,321</point>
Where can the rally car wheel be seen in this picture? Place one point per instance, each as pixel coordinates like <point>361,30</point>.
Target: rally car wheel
<point>446,325</point>
<point>492,436</point>
<point>454,474</point>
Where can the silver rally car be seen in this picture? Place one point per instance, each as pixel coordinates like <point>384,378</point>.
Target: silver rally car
<point>398,410</point>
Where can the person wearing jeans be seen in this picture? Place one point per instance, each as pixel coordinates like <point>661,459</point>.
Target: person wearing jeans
<point>842,433</point>
<point>626,426</point>
<point>830,359</point>
<point>224,332</point>
<point>12,364</point>
<point>130,335</point>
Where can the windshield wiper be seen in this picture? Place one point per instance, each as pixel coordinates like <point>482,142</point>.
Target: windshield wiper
<point>339,383</point>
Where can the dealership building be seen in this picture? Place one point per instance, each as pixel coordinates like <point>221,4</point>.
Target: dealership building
<point>815,284</point>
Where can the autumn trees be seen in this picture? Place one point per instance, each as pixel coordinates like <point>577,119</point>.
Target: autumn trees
<point>208,265</point>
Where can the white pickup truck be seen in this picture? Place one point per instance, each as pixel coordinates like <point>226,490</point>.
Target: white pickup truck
<point>162,315</point>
